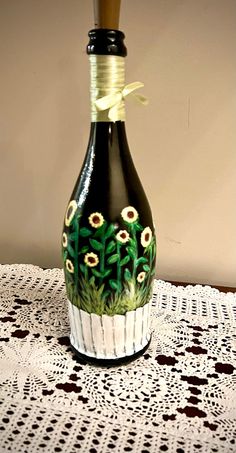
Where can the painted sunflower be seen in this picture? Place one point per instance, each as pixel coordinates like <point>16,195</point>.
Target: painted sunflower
<point>129,214</point>
<point>91,259</point>
<point>146,236</point>
<point>69,266</point>
<point>72,206</point>
<point>122,236</point>
<point>96,219</point>
<point>141,276</point>
<point>64,240</point>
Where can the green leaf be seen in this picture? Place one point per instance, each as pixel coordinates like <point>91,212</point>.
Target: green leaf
<point>146,267</point>
<point>114,284</point>
<point>138,227</point>
<point>111,247</point>
<point>106,273</point>
<point>84,249</point>
<point>71,250</point>
<point>100,231</point>
<point>84,232</point>
<point>110,231</point>
<point>113,258</point>
<point>131,251</point>
<point>82,267</point>
<point>141,260</point>
<point>95,244</point>
<point>73,236</point>
<point>132,243</point>
<point>127,274</point>
<point>125,260</point>
<point>96,273</point>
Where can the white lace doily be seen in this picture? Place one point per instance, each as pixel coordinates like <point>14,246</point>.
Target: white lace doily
<point>178,397</point>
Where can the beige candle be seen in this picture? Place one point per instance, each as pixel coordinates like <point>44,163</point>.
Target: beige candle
<point>106,13</point>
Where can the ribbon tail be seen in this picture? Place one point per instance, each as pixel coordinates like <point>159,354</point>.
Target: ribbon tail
<point>114,102</point>
<point>140,98</point>
<point>131,87</point>
<point>108,101</point>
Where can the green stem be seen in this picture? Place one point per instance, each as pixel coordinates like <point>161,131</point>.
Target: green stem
<point>102,258</point>
<point>154,251</point>
<point>86,273</point>
<point>76,262</point>
<point>150,262</point>
<point>118,265</point>
<point>151,258</point>
<point>135,251</point>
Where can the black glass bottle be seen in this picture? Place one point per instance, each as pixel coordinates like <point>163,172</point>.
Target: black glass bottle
<point>108,236</point>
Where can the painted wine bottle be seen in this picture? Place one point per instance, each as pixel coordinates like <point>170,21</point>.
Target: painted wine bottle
<point>108,239</point>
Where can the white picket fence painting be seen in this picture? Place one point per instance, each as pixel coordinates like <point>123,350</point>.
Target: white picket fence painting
<point>109,337</point>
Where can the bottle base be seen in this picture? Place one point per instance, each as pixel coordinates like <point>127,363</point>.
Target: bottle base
<point>109,362</point>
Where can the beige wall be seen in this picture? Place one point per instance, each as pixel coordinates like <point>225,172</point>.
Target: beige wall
<point>183,143</point>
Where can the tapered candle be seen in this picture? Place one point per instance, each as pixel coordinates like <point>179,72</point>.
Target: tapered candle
<point>106,14</point>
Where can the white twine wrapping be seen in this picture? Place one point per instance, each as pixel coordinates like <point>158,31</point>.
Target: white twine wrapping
<point>108,89</point>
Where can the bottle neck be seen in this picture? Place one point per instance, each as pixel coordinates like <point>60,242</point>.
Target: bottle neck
<point>108,137</point>
<point>107,79</point>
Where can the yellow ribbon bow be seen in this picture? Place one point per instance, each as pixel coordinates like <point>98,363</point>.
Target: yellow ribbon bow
<point>114,101</point>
